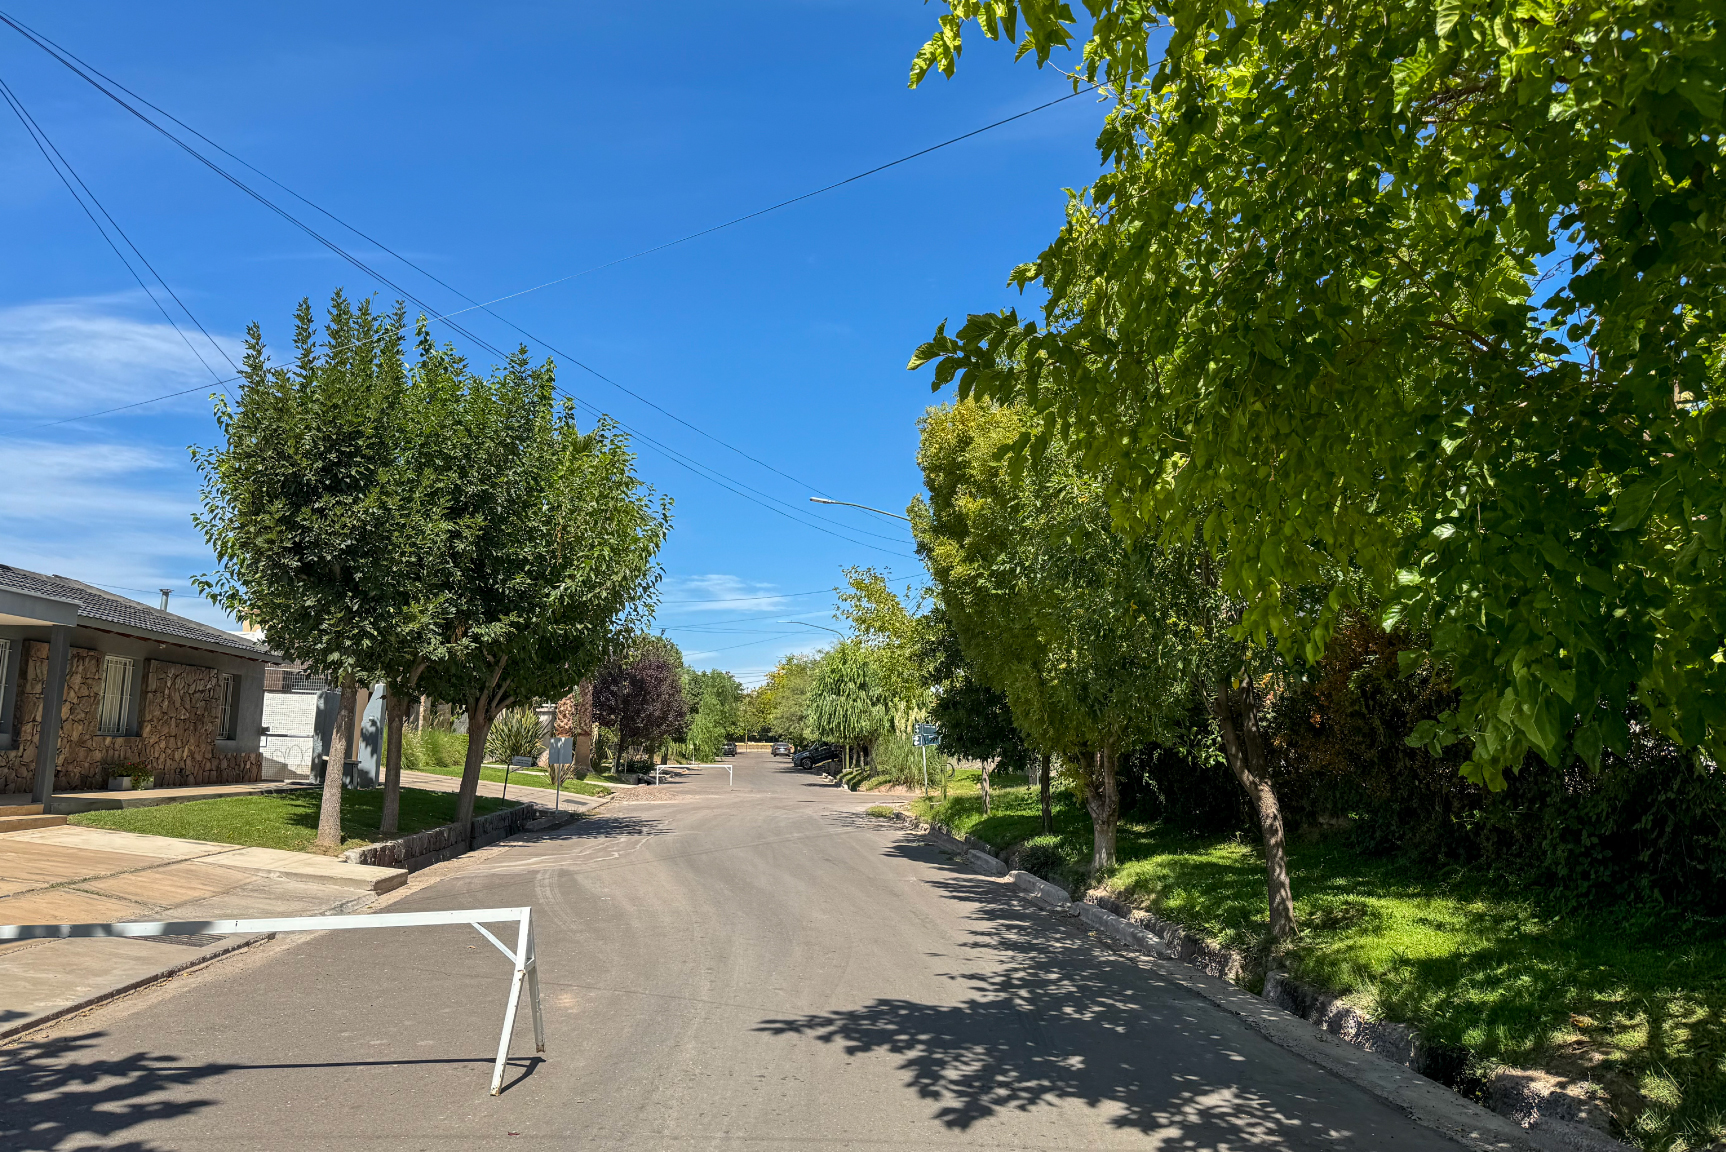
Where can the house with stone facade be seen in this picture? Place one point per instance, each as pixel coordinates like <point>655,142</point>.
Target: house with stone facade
<point>89,680</point>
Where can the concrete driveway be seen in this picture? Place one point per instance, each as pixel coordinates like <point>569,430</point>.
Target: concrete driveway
<point>753,967</point>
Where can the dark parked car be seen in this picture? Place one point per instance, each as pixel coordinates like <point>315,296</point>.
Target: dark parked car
<point>782,749</point>
<point>816,755</point>
<point>730,748</point>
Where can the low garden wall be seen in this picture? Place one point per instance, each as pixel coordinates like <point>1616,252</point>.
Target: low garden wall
<point>423,849</point>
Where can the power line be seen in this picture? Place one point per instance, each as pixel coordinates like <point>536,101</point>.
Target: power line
<point>737,599</point>
<point>45,144</point>
<point>705,472</point>
<point>67,59</point>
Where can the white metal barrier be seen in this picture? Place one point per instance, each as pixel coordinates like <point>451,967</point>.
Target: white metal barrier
<point>522,958</point>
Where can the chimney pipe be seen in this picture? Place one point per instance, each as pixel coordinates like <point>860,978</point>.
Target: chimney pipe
<point>166,592</point>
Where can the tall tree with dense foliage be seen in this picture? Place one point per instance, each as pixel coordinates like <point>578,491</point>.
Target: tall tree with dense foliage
<point>848,698</point>
<point>1093,641</point>
<point>324,532</point>
<point>715,701</point>
<point>1433,289</point>
<point>551,540</point>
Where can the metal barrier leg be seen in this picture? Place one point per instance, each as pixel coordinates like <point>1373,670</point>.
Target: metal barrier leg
<point>521,942</point>
<point>533,992</point>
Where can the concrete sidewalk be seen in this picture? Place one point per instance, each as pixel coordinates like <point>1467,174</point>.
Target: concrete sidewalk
<point>572,801</point>
<point>73,875</point>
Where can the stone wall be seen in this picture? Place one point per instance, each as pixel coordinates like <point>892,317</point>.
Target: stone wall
<point>181,711</point>
<point>435,845</point>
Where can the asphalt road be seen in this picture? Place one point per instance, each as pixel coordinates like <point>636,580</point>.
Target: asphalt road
<point>754,967</point>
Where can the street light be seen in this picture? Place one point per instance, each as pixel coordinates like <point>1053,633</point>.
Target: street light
<point>865,507</point>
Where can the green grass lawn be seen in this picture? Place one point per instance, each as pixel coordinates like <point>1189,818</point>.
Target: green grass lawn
<point>1471,960</point>
<point>288,821</point>
<point>527,778</point>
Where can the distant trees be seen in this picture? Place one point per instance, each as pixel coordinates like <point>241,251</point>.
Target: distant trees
<point>784,698</point>
<point>715,701</point>
<point>450,533</point>
<point>848,700</point>
<point>638,693</point>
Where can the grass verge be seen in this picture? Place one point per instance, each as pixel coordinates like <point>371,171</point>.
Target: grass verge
<point>526,778</point>
<point>288,821</point>
<point>1632,998</point>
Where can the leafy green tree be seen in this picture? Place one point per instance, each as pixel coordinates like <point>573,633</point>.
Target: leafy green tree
<point>888,626</point>
<point>321,531</point>
<point>715,700</point>
<point>1098,643</point>
<point>785,696</point>
<point>975,719</point>
<point>551,539</point>
<point>848,701</point>
<point>1433,289</point>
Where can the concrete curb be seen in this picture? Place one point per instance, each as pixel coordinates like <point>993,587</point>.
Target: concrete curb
<point>1171,953</point>
<point>227,948</point>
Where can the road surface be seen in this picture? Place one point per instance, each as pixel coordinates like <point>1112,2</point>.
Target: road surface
<point>755,967</point>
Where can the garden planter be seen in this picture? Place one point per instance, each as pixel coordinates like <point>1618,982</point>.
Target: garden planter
<point>119,783</point>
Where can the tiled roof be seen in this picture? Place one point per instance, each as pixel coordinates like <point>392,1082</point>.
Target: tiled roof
<point>104,608</point>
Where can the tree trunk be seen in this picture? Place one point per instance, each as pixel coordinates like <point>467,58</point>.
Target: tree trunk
<point>1043,792</point>
<point>396,712</point>
<point>478,724</point>
<point>988,766</point>
<point>1237,715</point>
<point>330,811</point>
<point>1104,801</point>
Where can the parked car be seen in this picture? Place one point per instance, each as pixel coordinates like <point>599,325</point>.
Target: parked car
<point>816,755</point>
<point>782,749</point>
<point>730,749</point>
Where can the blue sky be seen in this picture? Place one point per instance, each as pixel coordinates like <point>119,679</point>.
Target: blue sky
<point>500,146</point>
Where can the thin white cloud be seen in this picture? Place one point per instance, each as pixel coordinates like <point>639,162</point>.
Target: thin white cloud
<point>111,514</point>
<point>720,593</point>
<point>67,357</point>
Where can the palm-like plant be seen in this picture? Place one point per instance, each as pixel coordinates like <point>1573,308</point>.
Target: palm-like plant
<point>518,732</point>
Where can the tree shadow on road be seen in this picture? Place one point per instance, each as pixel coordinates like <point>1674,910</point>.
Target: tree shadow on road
<point>52,1096</point>
<point>1049,1017</point>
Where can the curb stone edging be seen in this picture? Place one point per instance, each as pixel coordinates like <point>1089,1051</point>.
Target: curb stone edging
<point>435,845</point>
<point>1531,1110</point>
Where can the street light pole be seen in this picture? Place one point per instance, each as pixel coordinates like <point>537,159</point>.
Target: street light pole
<point>865,507</point>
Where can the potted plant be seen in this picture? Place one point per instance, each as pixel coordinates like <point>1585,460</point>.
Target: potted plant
<point>122,777</point>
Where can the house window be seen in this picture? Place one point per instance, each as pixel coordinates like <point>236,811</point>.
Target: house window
<point>116,711</point>
<point>230,707</point>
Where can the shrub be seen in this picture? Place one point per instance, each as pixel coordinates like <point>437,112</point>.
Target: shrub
<point>518,732</point>
<point>898,760</point>
<point>434,748</point>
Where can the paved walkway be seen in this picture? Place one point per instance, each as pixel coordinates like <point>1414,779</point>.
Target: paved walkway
<point>432,782</point>
<point>72,875</point>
